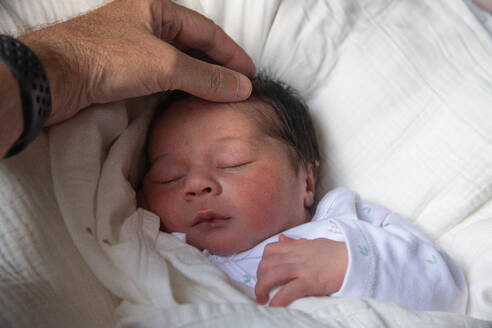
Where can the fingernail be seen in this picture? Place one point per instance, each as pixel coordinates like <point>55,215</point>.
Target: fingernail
<point>244,86</point>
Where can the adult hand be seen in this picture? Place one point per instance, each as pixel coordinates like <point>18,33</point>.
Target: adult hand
<point>129,48</point>
<point>304,267</point>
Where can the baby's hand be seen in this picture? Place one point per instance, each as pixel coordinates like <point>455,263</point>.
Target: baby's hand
<point>304,267</point>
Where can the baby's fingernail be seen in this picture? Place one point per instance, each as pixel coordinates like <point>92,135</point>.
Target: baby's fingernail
<point>244,86</point>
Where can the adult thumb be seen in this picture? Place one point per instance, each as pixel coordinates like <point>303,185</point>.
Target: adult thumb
<point>209,81</point>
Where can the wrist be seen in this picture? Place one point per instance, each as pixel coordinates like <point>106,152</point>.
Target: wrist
<point>343,266</point>
<point>33,89</point>
<point>11,119</point>
<point>338,268</point>
<point>61,70</point>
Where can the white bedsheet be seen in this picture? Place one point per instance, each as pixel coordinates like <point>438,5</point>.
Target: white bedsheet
<point>401,94</point>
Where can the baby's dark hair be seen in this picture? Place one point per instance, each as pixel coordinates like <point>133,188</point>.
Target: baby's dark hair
<point>291,123</point>
<point>288,122</point>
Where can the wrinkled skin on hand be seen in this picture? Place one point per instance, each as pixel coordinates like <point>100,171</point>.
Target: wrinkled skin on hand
<point>131,48</point>
<point>302,268</point>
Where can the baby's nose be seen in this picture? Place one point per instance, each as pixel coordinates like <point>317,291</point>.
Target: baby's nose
<point>200,185</point>
<point>204,191</point>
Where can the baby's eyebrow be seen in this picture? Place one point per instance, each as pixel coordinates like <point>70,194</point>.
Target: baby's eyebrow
<point>227,138</point>
<point>248,141</point>
<point>161,156</point>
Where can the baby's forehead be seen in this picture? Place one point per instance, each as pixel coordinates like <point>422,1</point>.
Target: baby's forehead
<point>189,116</point>
<point>193,102</point>
<point>186,112</point>
<point>254,108</point>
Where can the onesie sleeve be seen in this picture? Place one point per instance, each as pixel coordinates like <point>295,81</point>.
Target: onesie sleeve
<point>392,260</point>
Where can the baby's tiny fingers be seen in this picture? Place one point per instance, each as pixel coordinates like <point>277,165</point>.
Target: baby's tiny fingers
<point>268,279</point>
<point>290,292</point>
<point>284,238</point>
<point>272,249</point>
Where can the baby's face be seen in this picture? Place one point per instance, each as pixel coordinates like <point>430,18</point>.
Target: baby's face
<point>218,178</point>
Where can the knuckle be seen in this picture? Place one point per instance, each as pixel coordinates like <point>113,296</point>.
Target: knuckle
<point>270,249</point>
<point>261,290</point>
<point>260,287</point>
<point>170,24</point>
<point>171,76</point>
<point>265,274</point>
<point>261,272</point>
<point>268,279</point>
<point>209,33</point>
<point>263,267</point>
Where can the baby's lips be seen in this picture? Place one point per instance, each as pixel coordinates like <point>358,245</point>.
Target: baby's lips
<point>207,215</point>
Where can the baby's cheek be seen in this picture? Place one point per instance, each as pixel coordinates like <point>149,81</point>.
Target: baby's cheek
<point>260,201</point>
<point>165,207</point>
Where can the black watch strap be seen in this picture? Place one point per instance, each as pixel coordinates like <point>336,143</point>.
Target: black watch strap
<point>33,86</point>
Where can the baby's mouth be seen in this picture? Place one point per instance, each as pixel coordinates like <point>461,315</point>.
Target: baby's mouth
<point>209,217</point>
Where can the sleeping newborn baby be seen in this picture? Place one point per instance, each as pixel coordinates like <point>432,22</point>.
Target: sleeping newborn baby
<point>238,182</point>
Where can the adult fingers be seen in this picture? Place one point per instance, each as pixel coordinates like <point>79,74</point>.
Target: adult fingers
<point>293,290</point>
<point>158,66</point>
<point>190,29</point>
<point>208,81</point>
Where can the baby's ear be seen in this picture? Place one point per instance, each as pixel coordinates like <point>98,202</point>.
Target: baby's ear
<point>311,169</point>
<point>141,200</point>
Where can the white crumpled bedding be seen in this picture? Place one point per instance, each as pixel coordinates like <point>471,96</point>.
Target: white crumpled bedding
<point>400,92</point>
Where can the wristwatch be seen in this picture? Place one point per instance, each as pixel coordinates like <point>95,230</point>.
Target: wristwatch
<point>33,86</point>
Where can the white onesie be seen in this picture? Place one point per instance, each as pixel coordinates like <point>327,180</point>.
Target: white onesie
<point>389,258</point>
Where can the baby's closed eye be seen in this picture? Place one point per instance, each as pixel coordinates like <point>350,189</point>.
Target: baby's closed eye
<point>170,180</point>
<point>166,175</point>
<point>234,164</point>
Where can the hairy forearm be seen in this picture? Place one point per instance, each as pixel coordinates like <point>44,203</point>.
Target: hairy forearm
<point>11,119</point>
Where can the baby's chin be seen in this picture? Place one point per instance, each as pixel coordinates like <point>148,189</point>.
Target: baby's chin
<point>220,248</point>
<point>223,250</point>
